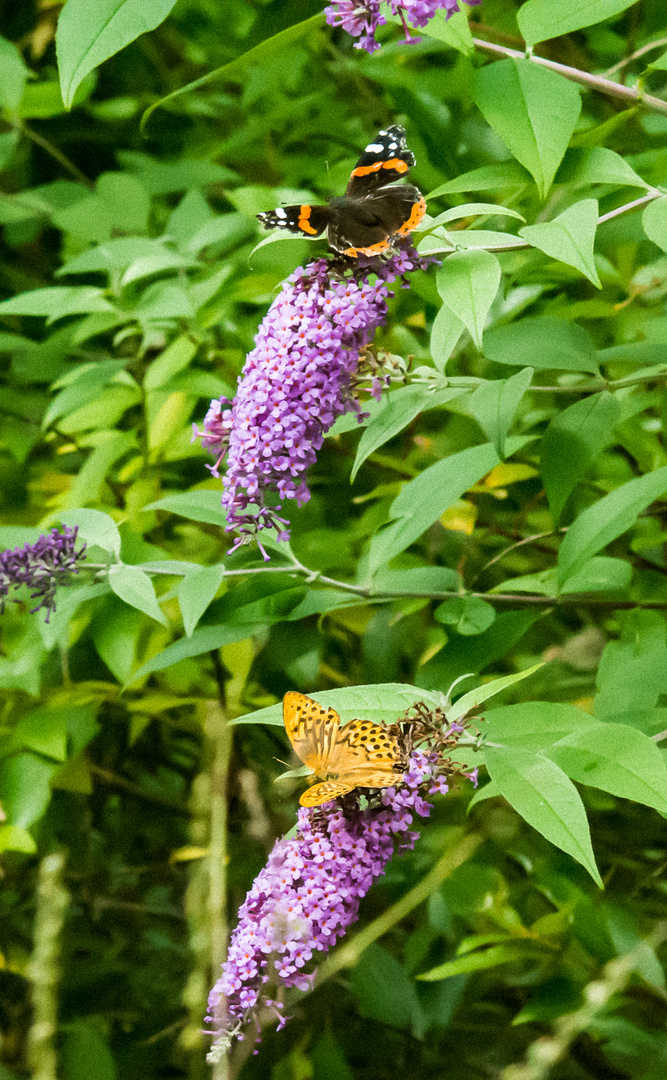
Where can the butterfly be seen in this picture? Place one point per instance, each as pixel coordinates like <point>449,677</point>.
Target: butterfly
<point>359,754</point>
<point>373,212</point>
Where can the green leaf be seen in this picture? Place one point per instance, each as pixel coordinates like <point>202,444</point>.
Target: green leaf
<point>639,352</point>
<point>88,34</point>
<point>422,501</point>
<point>544,111</point>
<point>544,343</point>
<point>445,335</point>
<point>196,591</point>
<point>398,409</point>
<point>204,639</point>
<point>174,359</point>
<point>608,518</point>
<point>236,69</point>
<point>572,443</point>
<point>86,1054</point>
<point>600,574</point>
<point>95,528</point>
<point>13,75</point>
<point>532,725</point>
<point>540,20</point>
<point>44,731</point>
<point>597,165</point>
<point>84,385</point>
<point>570,237</point>
<point>474,698</point>
<point>14,838</point>
<point>631,674</point>
<point>468,282</point>
<point>654,220</point>
<point>199,505</point>
<point>383,703</point>
<point>57,302</point>
<point>494,404</point>
<point>385,992</point>
<point>455,213</point>
<point>469,614</point>
<point>454,31</point>
<point>615,758</point>
<point>136,588</point>
<point>416,580</point>
<point>24,781</point>
<point>512,952</point>
<point>544,796</point>
<point>488,178</point>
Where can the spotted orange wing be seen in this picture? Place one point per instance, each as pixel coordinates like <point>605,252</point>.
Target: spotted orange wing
<point>312,730</point>
<point>361,754</point>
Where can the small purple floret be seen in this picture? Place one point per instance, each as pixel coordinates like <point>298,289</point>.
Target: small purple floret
<point>42,566</point>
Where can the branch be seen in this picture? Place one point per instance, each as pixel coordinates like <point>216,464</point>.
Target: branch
<point>630,94</point>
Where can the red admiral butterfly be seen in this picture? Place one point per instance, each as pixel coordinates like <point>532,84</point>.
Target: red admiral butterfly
<point>372,212</point>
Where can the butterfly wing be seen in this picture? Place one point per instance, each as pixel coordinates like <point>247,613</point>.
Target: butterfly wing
<point>312,730</point>
<point>367,755</point>
<point>383,161</point>
<point>305,220</point>
<point>317,794</point>
<point>366,226</point>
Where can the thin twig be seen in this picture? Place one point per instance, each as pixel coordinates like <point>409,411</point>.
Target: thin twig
<point>635,55</point>
<point>54,152</point>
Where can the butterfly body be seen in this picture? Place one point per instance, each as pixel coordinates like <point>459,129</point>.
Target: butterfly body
<point>374,211</point>
<point>357,754</point>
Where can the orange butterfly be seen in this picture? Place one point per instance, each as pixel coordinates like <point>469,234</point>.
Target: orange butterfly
<point>360,754</point>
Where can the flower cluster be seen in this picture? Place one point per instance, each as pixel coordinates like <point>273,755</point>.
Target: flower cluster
<point>309,893</point>
<point>295,383</point>
<point>361,18</point>
<point>42,566</point>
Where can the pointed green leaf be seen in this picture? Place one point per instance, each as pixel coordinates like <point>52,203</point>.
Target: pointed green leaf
<point>570,237</point>
<point>398,410</point>
<point>88,34</point>
<point>468,282</point>
<point>544,796</point>
<point>13,75</point>
<point>474,698</point>
<point>422,501</point>
<point>136,588</point>
<point>654,220</point>
<point>383,703</point>
<point>615,758</point>
<point>95,527</point>
<point>597,165</point>
<point>202,504</point>
<point>544,111</point>
<point>543,343</point>
<point>572,442</point>
<point>494,405</point>
<point>606,519</point>
<point>445,335</point>
<point>540,20</point>
<point>196,591</point>
<point>508,174</point>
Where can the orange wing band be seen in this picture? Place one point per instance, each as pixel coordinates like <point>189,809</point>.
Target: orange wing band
<point>418,211</point>
<point>304,214</point>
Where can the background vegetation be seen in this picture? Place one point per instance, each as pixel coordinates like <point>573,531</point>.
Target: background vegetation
<point>135,816</point>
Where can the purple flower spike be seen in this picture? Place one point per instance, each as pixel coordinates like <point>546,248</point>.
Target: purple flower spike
<point>309,893</point>
<point>295,383</point>
<point>42,566</point>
